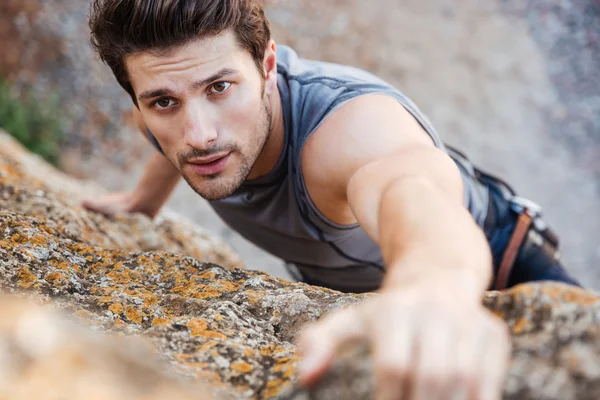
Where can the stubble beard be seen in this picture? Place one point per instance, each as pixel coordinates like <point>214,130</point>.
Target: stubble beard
<point>217,187</point>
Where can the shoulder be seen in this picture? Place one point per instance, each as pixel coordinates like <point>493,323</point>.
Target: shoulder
<point>362,130</point>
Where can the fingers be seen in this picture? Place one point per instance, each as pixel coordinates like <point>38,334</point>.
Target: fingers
<point>494,364</point>
<point>433,364</point>
<point>392,355</point>
<point>108,204</point>
<point>319,342</point>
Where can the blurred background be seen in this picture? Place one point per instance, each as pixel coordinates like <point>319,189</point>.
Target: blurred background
<point>514,83</point>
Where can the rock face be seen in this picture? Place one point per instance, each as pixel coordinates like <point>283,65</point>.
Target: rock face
<point>46,357</point>
<point>235,328</point>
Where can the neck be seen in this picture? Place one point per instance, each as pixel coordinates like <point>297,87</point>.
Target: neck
<point>271,152</point>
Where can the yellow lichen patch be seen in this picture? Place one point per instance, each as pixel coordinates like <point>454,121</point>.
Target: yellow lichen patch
<point>53,263</point>
<point>38,239</point>
<point>207,346</point>
<point>218,317</point>
<point>580,297</point>
<point>134,315</point>
<point>47,229</point>
<point>241,366</point>
<point>248,352</point>
<point>117,308</point>
<point>26,278</point>
<point>16,238</point>
<point>214,335</point>
<point>225,286</point>
<point>523,290</point>
<point>150,299</point>
<point>119,322</point>
<point>273,388</point>
<point>197,365</point>
<point>286,366</point>
<point>183,358</point>
<point>203,293</point>
<point>64,266</point>
<point>271,349</point>
<point>52,276</point>
<point>160,321</point>
<point>499,314</point>
<point>208,275</point>
<point>199,327</point>
<point>105,299</point>
<point>554,292</point>
<point>254,296</point>
<point>522,325</point>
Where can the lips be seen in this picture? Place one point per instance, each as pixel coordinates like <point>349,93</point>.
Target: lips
<point>209,165</point>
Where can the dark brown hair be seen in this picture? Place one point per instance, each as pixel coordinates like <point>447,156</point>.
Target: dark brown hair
<point>123,27</point>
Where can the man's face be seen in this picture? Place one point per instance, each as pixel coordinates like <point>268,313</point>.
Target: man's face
<point>205,103</point>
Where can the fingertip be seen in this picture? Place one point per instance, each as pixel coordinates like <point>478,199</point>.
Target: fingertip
<point>313,367</point>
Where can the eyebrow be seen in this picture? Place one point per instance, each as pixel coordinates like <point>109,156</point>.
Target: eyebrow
<point>149,94</point>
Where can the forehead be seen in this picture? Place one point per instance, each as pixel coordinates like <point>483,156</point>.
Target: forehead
<point>204,56</point>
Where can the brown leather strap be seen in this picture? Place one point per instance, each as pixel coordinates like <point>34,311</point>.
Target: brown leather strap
<point>512,249</point>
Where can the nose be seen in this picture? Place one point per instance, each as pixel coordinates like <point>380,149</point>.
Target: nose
<point>199,128</point>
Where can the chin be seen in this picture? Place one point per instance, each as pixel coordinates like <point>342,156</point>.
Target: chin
<point>214,187</point>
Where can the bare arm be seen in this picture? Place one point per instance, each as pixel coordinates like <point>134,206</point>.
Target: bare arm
<point>154,188</point>
<point>429,334</point>
<point>411,203</point>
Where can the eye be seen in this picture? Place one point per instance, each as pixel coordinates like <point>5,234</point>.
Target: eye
<point>163,103</point>
<point>219,87</point>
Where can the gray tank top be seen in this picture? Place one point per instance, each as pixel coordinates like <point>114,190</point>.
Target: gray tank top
<point>275,211</point>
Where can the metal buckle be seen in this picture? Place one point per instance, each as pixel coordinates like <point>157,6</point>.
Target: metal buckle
<point>521,205</point>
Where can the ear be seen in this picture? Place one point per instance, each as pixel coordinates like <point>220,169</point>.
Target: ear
<point>270,67</point>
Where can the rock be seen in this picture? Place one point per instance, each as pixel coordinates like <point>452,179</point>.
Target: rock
<point>231,328</point>
<point>44,356</point>
<point>556,346</point>
<point>30,186</point>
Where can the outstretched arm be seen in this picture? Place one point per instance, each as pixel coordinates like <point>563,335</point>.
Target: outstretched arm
<point>430,336</point>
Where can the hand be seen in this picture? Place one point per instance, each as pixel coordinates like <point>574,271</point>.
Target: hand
<point>114,203</point>
<point>423,346</point>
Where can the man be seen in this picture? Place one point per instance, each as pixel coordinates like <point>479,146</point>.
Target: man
<point>337,173</point>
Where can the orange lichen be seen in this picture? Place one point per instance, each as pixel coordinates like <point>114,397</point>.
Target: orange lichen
<point>134,315</point>
<point>38,240</point>
<point>521,326</point>
<point>26,278</point>
<point>271,349</point>
<point>241,366</point>
<point>273,388</point>
<point>580,297</point>
<point>53,263</point>
<point>150,299</point>
<point>208,275</point>
<point>199,327</point>
<point>160,321</point>
<point>120,322</point>
<point>207,346</point>
<point>51,277</point>
<point>254,296</point>
<point>117,308</point>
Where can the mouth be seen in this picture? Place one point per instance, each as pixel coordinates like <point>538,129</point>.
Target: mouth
<point>209,165</point>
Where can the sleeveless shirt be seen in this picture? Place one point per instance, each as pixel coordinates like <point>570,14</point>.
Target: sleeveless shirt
<point>275,211</point>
